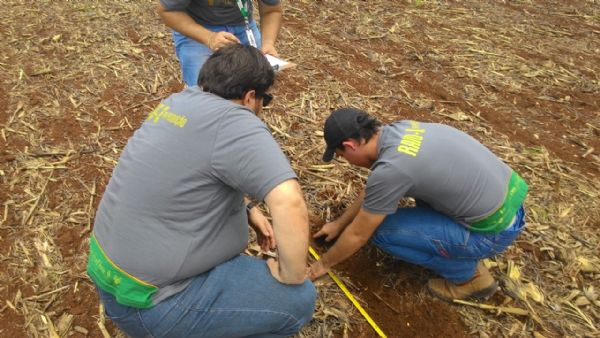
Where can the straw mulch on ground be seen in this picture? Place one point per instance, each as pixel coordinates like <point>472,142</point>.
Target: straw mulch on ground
<point>77,78</point>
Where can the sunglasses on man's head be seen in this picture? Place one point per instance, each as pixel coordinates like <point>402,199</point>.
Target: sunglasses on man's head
<point>267,98</point>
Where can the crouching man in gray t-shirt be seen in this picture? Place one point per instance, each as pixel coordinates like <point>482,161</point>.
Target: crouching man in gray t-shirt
<point>469,202</point>
<point>165,253</point>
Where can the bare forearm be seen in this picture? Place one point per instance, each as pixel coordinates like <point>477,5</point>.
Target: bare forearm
<point>346,245</point>
<point>290,224</point>
<point>292,240</point>
<point>184,24</point>
<point>269,27</point>
<point>270,22</point>
<point>351,212</point>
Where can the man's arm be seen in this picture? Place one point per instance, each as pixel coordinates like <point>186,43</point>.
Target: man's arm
<point>352,239</point>
<point>332,229</point>
<point>350,213</point>
<point>290,224</point>
<point>183,23</point>
<point>270,24</point>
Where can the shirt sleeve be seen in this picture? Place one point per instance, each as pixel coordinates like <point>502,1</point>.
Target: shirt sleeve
<point>175,5</point>
<point>246,157</point>
<point>386,185</point>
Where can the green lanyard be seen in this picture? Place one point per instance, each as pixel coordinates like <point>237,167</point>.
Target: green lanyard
<point>243,6</point>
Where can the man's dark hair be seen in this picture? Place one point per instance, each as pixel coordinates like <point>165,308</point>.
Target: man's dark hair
<point>369,127</point>
<point>233,70</point>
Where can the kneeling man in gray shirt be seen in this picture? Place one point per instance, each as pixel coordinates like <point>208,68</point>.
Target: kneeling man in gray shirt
<point>469,202</point>
<point>166,250</point>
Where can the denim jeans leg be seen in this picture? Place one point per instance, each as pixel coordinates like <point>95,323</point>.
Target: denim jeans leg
<point>238,298</point>
<point>421,236</point>
<point>192,54</point>
<point>126,318</point>
<point>426,237</point>
<point>489,245</point>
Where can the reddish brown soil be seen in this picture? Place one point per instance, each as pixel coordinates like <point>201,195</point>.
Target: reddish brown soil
<point>397,300</point>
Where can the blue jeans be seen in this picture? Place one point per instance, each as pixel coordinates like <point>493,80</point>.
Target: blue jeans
<point>192,54</point>
<point>238,298</point>
<point>428,238</point>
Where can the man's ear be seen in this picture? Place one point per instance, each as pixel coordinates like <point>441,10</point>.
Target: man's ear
<point>248,98</point>
<point>350,143</point>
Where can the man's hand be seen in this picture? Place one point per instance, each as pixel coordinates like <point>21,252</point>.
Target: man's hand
<point>265,235</point>
<point>221,39</point>
<point>331,230</point>
<point>269,49</point>
<point>316,270</point>
<point>353,237</point>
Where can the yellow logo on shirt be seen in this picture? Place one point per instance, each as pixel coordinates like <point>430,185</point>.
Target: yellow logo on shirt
<point>411,142</point>
<point>162,112</point>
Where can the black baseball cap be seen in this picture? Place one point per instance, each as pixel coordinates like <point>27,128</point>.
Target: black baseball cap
<point>341,125</point>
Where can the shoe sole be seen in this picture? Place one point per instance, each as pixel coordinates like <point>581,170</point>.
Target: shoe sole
<point>479,295</point>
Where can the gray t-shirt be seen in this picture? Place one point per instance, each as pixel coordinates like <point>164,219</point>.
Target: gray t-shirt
<point>213,12</point>
<point>174,205</point>
<point>440,165</point>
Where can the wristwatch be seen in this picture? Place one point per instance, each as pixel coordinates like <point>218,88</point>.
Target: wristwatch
<point>251,205</point>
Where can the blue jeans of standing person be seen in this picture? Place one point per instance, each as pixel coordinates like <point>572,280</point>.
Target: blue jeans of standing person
<point>192,54</point>
<point>239,298</point>
<point>431,239</point>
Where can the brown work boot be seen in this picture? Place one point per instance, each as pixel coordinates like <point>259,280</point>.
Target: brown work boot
<point>482,285</point>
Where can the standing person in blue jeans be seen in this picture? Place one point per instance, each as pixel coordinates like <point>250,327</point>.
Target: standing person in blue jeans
<point>203,26</point>
<point>469,202</point>
<point>166,251</point>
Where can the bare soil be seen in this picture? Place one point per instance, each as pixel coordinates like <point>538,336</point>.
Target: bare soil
<point>77,78</point>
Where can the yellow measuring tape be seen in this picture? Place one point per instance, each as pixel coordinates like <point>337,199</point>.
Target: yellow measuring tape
<point>349,295</point>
